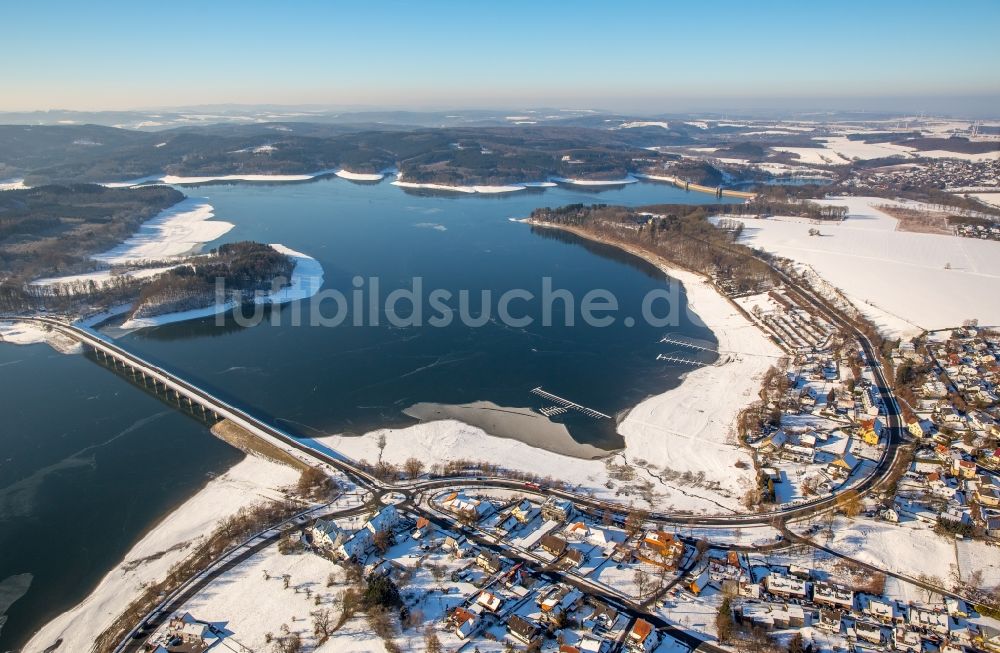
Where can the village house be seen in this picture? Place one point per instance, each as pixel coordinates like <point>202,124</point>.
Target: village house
<point>523,630</point>
<point>465,622</point>
<point>423,529</point>
<point>726,569</point>
<point>574,557</point>
<point>603,614</point>
<point>467,508</point>
<point>556,509</point>
<point>558,600</point>
<point>524,512</point>
<point>641,638</point>
<point>785,586</point>
<point>455,545</point>
<point>831,595</point>
<point>987,493</point>
<point>906,640</point>
<point>490,602</point>
<point>742,588</point>
<point>489,562</point>
<point>357,546</point>
<point>964,469</point>
<point>830,620</point>
<point>870,431</point>
<point>868,632</point>
<point>770,616</point>
<point>326,534</point>
<point>882,611</point>
<point>189,635</point>
<point>842,466</point>
<point>928,620</point>
<point>384,520</point>
<point>661,548</point>
<point>553,544</point>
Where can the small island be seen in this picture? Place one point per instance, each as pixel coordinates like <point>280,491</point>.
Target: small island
<point>244,268</point>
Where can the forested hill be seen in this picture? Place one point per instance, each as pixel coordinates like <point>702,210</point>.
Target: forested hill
<point>245,267</point>
<point>481,155</point>
<point>682,234</point>
<point>51,230</point>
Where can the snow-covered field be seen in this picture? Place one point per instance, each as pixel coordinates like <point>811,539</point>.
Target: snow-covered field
<point>307,279</point>
<point>99,278</point>
<point>904,281</point>
<point>840,150</point>
<point>250,605</point>
<point>992,199</point>
<point>909,548</point>
<point>251,481</point>
<point>644,123</point>
<point>11,184</point>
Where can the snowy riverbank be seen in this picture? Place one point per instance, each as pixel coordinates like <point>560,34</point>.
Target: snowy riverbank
<point>307,279</point>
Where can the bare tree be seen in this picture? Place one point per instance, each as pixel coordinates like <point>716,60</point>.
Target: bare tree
<point>322,625</point>
<point>431,641</point>
<point>381,445</point>
<point>635,520</point>
<point>642,582</point>
<point>849,503</point>
<point>413,467</point>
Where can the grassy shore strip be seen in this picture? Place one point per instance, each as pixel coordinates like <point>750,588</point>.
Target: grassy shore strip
<point>249,443</point>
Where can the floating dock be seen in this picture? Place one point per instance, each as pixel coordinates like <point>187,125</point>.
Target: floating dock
<point>682,361</point>
<point>671,340</point>
<point>566,404</point>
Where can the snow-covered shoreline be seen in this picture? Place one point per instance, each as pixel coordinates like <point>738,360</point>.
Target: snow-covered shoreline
<point>174,232</point>
<point>628,179</point>
<point>552,182</point>
<point>250,481</point>
<point>182,180</point>
<point>686,428</point>
<point>486,190</point>
<point>307,279</point>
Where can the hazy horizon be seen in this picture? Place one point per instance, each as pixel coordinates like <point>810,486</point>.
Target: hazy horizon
<point>645,59</point>
<point>965,107</point>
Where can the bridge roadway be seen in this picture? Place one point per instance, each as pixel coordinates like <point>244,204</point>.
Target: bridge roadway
<point>207,400</point>
<point>263,429</point>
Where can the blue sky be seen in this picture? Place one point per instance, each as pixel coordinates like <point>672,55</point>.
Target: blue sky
<point>621,55</point>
